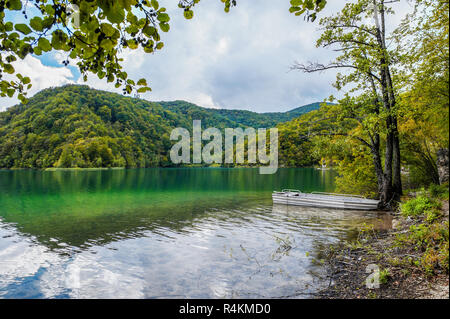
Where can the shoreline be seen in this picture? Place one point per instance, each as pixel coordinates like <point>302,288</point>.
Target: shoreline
<point>54,169</point>
<point>400,276</point>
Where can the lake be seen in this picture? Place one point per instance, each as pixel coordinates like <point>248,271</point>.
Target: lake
<point>165,233</point>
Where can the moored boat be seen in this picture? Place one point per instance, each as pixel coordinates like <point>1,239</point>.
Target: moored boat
<point>325,200</point>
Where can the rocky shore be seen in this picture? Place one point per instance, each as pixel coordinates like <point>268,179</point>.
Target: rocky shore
<point>404,269</point>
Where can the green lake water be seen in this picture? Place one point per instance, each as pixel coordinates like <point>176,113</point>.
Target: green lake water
<point>165,233</point>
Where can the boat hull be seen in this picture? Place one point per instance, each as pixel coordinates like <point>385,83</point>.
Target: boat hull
<point>325,201</point>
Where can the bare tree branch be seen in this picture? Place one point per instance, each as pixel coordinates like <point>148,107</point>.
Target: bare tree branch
<point>318,67</point>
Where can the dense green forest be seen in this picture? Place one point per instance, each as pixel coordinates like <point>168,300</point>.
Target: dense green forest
<point>224,118</point>
<point>76,126</point>
<point>228,118</point>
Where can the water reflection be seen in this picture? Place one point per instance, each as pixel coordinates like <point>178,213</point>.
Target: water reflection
<point>163,234</point>
<point>78,207</point>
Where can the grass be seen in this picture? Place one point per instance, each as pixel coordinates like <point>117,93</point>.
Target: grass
<point>429,233</point>
<point>420,205</point>
<point>384,276</point>
<point>439,191</point>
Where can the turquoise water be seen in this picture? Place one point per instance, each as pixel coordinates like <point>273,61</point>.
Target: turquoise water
<point>164,233</point>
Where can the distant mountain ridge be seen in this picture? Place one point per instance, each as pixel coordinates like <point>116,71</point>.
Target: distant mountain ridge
<point>240,117</point>
<point>77,126</point>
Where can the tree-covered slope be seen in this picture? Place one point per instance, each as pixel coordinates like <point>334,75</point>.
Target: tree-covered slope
<point>209,117</point>
<point>76,126</point>
<point>227,118</point>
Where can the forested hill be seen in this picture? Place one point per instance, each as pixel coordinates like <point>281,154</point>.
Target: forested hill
<point>76,126</point>
<point>228,118</point>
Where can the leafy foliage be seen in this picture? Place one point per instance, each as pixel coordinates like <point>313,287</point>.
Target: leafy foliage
<point>423,41</point>
<point>222,118</point>
<point>74,126</point>
<point>297,148</point>
<point>429,233</point>
<point>90,32</point>
<point>298,7</point>
<point>419,206</point>
<point>397,102</point>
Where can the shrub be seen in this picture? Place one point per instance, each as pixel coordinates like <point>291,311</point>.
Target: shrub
<point>384,276</point>
<point>432,215</point>
<point>433,240</point>
<point>439,191</point>
<point>419,235</point>
<point>419,206</point>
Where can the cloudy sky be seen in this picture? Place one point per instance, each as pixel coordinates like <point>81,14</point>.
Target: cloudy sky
<point>238,60</point>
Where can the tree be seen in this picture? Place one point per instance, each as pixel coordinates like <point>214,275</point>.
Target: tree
<point>91,32</point>
<point>370,64</point>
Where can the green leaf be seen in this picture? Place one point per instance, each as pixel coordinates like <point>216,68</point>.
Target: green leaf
<point>47,22</point>
<point>23,28</point>
<point>14,5</point>
<point>142,82</point>
<point>188,14</point>
<point>24,49</point>
<point>155,4</point>
<point>163,17</point>
<point>59,39</point>
<point>37,50</point>
<point>149,31</point>
<point>143,89</point>
<point>36,24</point>
<point>107,44</point>
<point>49,9</point>
<point>9,26</point>
<point>44,44</point>
<point>107,29</point>
<point>164,27</point>
<point>8,68</point>
<point>114,13</point>
<point>132,44</point>
<point>296,3</point>
<point>73,54</point>
<point>26,80</point>
<point>309,4</point>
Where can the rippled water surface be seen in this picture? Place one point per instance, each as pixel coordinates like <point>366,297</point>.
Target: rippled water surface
<point>164,233</point>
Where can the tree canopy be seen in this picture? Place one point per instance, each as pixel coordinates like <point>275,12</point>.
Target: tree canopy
<point>396,100</point>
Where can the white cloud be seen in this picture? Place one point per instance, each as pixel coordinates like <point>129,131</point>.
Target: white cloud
<point>200,98</point>
<point>222,46</point>
<point>41,76</point>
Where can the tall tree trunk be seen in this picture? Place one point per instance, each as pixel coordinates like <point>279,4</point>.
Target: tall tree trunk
<point>384,181</point>
<point>396,139</point>
<point>386,194</point>
<point>387,191</point>
<point>392,154</point>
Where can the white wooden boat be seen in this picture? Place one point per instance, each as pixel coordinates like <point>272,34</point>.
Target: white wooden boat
<point>325,200</point>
